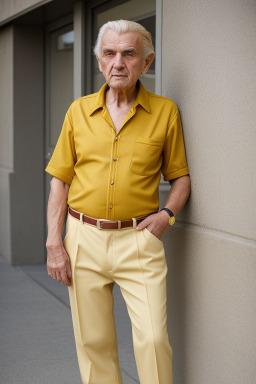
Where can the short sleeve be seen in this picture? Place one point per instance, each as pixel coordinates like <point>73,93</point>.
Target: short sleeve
<point>61,164</point>
<point>174,155</point>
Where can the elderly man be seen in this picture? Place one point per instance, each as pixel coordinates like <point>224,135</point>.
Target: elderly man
<point>106,169</point>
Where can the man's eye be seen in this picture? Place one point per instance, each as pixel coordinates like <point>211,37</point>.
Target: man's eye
<point>108,53</point>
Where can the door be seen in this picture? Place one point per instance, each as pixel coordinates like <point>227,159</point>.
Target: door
<point>59,86</point>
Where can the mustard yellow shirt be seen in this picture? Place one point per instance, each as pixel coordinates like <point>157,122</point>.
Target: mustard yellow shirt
<point>116,176</point>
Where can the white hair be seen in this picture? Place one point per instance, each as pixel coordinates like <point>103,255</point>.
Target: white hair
<point>123,26</point>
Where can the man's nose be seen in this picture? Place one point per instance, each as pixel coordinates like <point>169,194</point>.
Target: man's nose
<point>119,61</point>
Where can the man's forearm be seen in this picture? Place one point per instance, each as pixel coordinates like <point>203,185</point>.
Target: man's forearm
<point>56,212</point>
<point>179,193</point>
<point>157,223</point>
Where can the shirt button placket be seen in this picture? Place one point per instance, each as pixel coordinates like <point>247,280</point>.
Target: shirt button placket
<point>113,172</point>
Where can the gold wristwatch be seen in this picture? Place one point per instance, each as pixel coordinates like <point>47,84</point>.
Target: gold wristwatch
<point>172,217</point>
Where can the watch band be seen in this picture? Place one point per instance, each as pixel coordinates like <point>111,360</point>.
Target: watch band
<point>168,211</point>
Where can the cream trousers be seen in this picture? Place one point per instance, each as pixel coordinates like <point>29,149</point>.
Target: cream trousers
<point>135,260</point>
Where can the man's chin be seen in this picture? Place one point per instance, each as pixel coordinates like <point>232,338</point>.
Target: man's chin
<point>119,83</point>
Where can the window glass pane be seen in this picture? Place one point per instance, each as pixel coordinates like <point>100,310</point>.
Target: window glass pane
<point>149,23</point>
<point>65,41</point>
<point>142,11</point>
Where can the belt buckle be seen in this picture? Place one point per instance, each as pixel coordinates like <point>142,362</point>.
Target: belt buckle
<point>109,221</point>
<point>99,223</point>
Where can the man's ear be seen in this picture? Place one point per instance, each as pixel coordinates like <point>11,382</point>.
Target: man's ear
<point>147,63</point>
<point>98,60</point>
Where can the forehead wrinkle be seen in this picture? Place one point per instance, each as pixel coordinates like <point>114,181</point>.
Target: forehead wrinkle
<point>112,48</point>
<point>129,43</point>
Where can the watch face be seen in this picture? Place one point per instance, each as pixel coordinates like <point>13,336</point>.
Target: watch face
<point>172,220</point>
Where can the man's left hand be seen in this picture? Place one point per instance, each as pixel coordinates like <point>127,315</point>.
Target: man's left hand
<point>157,223</point>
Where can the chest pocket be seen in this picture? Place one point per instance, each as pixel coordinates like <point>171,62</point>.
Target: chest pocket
<point>147,156</point>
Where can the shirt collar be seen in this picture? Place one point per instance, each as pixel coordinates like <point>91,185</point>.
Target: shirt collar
<point>141,99</point>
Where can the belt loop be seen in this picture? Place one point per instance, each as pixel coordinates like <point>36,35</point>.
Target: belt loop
<point>134,222</point>
<point>81,217</point>
<point>119,224</point>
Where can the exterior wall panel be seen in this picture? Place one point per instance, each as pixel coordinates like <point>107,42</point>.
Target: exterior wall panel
<point>211,289</point>
<point>6,136</point>
<point>6,93</point>
<point>208,62</point>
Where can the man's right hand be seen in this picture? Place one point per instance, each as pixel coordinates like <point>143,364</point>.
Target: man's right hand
<point>58,264</point>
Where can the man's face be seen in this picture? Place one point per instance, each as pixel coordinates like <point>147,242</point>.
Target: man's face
<point>121,60</point>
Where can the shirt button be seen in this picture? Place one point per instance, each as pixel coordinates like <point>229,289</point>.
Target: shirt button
<point>115,159</point>
<point>112,182</point>
<point>116,138</point>
<point>110,207</point>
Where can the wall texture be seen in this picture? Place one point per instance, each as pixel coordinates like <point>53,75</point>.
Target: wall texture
<point>209,65</point>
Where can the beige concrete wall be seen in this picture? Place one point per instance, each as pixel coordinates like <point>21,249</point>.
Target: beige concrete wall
<point>209,65</point>
<point>6,136</point>
<point>10,9</point>
<point>211,308</point>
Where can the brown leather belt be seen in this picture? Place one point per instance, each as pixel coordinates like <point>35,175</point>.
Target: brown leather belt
<point>102,223</point>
